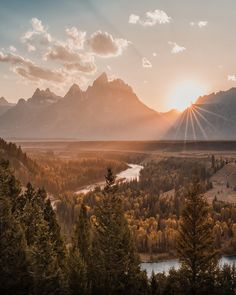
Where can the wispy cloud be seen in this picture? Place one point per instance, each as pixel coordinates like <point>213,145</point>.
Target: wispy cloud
<point>146,63</point>
<point>176,48</point>
<point>200,24</point>
<point>231,77</point>
<point>28,69</point>
<point>71,60</point>
<point>150,18</point>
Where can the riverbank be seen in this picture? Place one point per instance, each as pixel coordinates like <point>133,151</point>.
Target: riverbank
<point>165,266</point>
<point>130,173</point>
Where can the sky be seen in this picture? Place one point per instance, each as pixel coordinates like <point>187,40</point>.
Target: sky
<point>169,51</point>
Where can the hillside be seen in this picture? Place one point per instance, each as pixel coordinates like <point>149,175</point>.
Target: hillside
<point>25,169</point>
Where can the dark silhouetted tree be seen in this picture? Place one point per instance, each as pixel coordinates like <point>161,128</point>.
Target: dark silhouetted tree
<point>196,243</point>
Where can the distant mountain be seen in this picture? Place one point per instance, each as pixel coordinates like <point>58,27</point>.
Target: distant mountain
<point>106,110</point>
<point>4,105</point>
<point>43,97</point>
<point>211,117</point>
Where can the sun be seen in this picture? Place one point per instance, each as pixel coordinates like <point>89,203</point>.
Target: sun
<point>185,93</point>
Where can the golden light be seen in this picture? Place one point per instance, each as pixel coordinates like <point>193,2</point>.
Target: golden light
<point>185,93</point>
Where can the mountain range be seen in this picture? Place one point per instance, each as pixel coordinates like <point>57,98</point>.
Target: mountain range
<point>110,110</point>
<point>212,117</point>
<point>107,110</point>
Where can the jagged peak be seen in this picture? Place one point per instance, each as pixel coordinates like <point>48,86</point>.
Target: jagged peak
<point>3,101</point>
<point>43,93</point>
<point>74,90</point>
<point>21,101</point>
<point>102,79</point>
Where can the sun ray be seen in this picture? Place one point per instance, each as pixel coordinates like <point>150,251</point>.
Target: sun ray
<point>181,120</point>
<point>205,119</point>
<point>212,113</point>
<point>200,125</point>
<point>192,123</point>
<point>186,126</point>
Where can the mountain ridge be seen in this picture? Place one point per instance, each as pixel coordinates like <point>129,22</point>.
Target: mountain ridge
<point>105,110</point>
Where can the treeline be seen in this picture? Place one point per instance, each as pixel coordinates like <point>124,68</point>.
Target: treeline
<point>24,167</point>
<point>154,204</point>
<point>55,174</point>
<point>60,176</point>
<point>101,258</point>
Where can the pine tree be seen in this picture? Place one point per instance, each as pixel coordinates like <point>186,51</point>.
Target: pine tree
<point>196,243</point>
<point>15,275</point>
<point>79,255</point>
<point>55,233</point>
<point>42,240</point>
<point>82,237</point>
<point>78,277</point>
<point>116,269</point>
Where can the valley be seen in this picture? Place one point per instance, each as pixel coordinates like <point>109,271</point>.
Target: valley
<point>154,201</point>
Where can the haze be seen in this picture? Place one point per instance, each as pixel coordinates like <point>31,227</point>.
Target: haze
<point>155,46</point>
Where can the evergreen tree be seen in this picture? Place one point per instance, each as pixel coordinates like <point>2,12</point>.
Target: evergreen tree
<point>44,243</point>
<point>82,237</point>
<point>55,233</point>
<point>78,277</point>
<point>116,269</point>
<point>154,286</point>
<point>79,255</point>
<point>196,244</point>
<point>15,275</point>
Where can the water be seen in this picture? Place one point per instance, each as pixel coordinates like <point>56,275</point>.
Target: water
<point>131,173</point>
<point>166,265</point>
<point>128,174</point>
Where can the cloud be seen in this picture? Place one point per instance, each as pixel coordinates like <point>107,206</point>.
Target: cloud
<point>37,25</point>
<point>105,45</point>
<point>231,77</point>
<point>146,63</point>
<point>28,69</point>
<point>38,35</point>
<point>134,19</point>
<point>176,48</point>
<point>76,37</point>
<point>200,24</point>
<point>151,18</point>
<point>63,53</point>
<point>12,48</point>
<point>72,60</point>
<point>30,48</point>
<point>88,68</point>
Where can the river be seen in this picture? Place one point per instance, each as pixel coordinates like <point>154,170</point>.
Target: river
<point>166,265</point>
<point>131,173</point>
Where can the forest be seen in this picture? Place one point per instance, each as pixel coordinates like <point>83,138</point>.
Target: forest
<point>93,243</point>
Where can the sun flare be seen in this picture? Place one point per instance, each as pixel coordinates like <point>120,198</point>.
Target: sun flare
<point>185,93</point>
